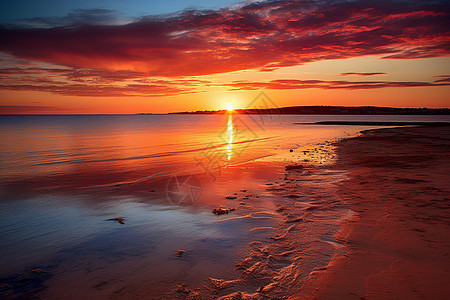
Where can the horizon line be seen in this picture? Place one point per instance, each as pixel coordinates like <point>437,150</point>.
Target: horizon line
<point>239,110</point>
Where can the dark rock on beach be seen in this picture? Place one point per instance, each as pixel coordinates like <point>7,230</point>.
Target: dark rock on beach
<point>222,210</point>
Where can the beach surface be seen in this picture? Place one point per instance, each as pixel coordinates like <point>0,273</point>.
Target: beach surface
<point>397,243</point>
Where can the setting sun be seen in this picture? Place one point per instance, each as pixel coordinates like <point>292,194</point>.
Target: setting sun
<point>230,107</point>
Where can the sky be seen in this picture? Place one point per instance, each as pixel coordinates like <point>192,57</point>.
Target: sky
<point>99,56</point>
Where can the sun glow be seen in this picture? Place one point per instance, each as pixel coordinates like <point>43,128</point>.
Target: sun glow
<point>230,107</point>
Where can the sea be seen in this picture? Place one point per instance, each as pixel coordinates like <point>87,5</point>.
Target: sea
<point>65,179</point>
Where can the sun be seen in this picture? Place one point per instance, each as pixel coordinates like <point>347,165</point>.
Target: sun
<point>230,107</point>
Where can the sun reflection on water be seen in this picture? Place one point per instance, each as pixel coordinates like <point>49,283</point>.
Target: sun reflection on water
<point>230,136</point>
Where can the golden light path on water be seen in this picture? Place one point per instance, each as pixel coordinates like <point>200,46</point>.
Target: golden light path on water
<point>230,136</point>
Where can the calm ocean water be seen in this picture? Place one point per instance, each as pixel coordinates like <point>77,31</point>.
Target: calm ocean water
<point>63,177</point>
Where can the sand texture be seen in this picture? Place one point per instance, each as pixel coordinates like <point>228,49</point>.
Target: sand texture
<point>397,244</point>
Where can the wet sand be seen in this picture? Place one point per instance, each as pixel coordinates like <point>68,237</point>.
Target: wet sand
<point>397,244</point>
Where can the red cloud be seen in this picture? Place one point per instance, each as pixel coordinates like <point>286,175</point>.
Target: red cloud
<point>261,35</point>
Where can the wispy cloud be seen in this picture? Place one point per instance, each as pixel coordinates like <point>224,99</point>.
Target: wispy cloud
<point>293,84</point>
<point>89,82</point>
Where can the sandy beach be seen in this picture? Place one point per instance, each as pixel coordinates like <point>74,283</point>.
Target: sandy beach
<point>397,244</point>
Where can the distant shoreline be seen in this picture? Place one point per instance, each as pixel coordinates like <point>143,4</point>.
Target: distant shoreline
<point>329,110</point>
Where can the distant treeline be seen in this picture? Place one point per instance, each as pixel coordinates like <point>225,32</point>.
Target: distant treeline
<point>332,110</point>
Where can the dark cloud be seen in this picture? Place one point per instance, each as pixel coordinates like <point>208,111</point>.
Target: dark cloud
<point>262,35</point>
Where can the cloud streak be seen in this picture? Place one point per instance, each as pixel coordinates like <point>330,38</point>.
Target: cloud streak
<point>363,74</point>
<point>294,84</point>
